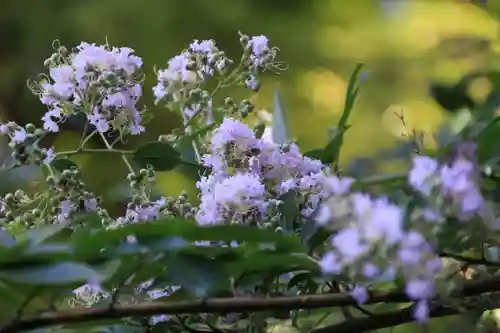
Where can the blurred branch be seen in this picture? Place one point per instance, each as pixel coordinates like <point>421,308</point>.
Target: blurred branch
<point>469,261</point>
<point>248,304</point>
<point>395,318</point>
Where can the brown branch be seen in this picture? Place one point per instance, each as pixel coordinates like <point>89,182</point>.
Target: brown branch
<point>395,318</point>
<point>228,305</point>
<point>470,261</point>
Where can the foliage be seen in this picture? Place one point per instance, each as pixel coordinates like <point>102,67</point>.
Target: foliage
<point>280,241</point>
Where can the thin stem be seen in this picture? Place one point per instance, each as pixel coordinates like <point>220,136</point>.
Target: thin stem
<point>93,151</point>
<point>123,155</point>
<point>83,137</point>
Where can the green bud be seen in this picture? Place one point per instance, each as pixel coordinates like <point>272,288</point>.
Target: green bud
<point>30,128</point>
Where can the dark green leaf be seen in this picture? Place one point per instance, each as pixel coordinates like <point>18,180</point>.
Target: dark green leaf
<point>266,261</point>
<point>279,129</point>
<point>299,278</point>
<point>201,276</point>
<point>61,164</point>
<point>318,238</point>
<point>487,144</point>
<point>57,274</point>
<point>160,155</point>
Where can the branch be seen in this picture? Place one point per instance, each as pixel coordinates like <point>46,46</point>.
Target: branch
<point>395,318</point>
<point>469,261</point>
<point>229,305</point>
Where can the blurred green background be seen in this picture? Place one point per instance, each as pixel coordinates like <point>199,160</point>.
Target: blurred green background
<point>408,48</point>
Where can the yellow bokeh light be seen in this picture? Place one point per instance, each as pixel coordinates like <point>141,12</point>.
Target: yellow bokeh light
<point>324,89</point>
<point>421,115</point>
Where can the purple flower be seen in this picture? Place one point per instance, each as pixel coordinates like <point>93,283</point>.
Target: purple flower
<point>360,294</point>
<point>423,169</point>
<point>420,289</point>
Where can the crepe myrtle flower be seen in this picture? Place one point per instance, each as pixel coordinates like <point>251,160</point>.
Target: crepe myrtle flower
<point>98,80</point>
<point>455,181</point>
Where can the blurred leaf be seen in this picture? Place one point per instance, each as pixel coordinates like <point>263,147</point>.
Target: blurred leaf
<point>361,167</point>
<point>6,239</point>
<point>318,238</point>
<point>40,234</point>
<point>11,180</point>
<point>121,193</point>
<point>492,254</point>
<point>460,121</point>
<point>160,155</point>
<point>288,210</point>
<point>280,131</point>
<point>465,322</point>
<point>259,130</point>
<point>185,229</point>
<point>268,262</point>
<point>200,275</point>
<point>61,164</point>
<point>56,274</point>
<point>381,180</point>
<point>486,140</point>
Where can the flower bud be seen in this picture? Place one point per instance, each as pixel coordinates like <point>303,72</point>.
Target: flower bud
<point>30,128</point>
<point>244,40</point>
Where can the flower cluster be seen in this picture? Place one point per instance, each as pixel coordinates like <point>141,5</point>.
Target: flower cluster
<point>456,182</point>
<point>99,81</point>
<point>372,244</point>
<point>250,175</point>
<point>374,240</point>
<point>183,80</point>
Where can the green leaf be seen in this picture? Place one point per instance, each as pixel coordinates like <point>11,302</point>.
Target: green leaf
<point>200,275</point>
<point>352,91</point>
<point>189,230</point>
<point>160,155</point>
<point>39,234</point>
<point>57,274</point>
<point>288,210</point>
<point>61,164</point>
<point>299,278</point>
<point>279,129</point>
<point>267,261</point>
<point>259,130</point>
<point>381,180</point>
<point>486,140</point>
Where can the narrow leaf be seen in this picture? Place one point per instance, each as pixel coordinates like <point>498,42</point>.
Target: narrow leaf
<point>279,129</point>
<point>351,94</point>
